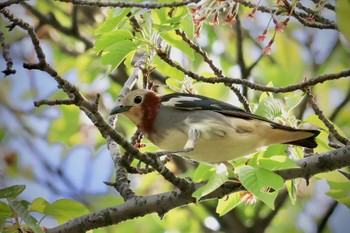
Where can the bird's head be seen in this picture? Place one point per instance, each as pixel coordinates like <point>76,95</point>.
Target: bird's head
<point>140,106</point>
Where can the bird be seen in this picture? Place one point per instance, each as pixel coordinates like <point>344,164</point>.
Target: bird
<point>204,129</point>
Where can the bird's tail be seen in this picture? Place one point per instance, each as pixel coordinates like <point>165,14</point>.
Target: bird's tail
<point>299,137</point>
<point>308,142</point>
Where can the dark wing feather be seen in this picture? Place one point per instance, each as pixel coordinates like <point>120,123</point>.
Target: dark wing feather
<point>197,102</point>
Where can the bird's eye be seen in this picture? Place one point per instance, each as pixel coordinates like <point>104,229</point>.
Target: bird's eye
<point>138,99</point>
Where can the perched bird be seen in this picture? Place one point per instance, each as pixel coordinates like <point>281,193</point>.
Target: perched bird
<point>205,129</point>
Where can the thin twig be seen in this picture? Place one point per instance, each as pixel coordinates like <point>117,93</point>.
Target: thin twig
<point>199,50</point>
<point>10,2</point>
<point>6,56</point>
<point>323,118</point>
<point>325,218</point>
<point>38,103</point>
<point>340,106</point>
<point>226,80</point>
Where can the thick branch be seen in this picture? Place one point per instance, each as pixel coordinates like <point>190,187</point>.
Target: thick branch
<point>162,203</point>
<point>129,4</point>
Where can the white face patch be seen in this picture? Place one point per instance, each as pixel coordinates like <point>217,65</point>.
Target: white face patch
<point>179,100</point>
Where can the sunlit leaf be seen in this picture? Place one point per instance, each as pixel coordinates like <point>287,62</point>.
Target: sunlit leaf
<point>264,184</point>
<point>186,25</point>
<point>339,186</point>
<point>269,108</point>
<point>215,180</point>
<point>277,162</point>
<point>113,37</point>
<point>176,41</point>
<point>202,172</point>
<point>342,9</point>
<point>226,204</point>
<point>293,100</point>
<point>5,210</point>
<point>166,69</point>
<point>12,191</point>
<point>291,186</point>
<point>66,126</point>
<point>39,205</point>
<point>115,54</point>
<point>113,21</point>
<point>64,210</point>
<point>23,212</point>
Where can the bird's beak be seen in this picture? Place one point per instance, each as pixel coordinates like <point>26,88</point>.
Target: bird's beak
<point>119,109</point>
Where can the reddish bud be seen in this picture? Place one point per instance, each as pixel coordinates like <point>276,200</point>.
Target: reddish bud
<point>195,9</point>
<point>261,37</point>
<point>215,20</point>
<point>197,33</point>
<point>230,18</point>
<point>251,14</point>
<point>267,49</point>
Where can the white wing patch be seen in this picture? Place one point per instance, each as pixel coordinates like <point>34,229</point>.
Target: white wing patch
<point>179,100</point>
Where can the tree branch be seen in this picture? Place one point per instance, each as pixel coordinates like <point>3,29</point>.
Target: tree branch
<point>226,80</point>
<point>162,203</point>
<point>128,4</point>
<point>6,56</point>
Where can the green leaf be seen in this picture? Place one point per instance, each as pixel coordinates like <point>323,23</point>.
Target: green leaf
<point>110,38</point>
<point>291,186</point>
<point>216,179</point>
<point>277,162</point>
<point>166,69</point>
<point>5,210</point>
<point>269,108</point>
<point>176,41</point>
<point>23,212</point>
<point>227,204</point>
<point>116,53</point>
<point>293,100</point>
<point>339,186</point>
<point>12,191</point>
<point>2,133</point>
<point>64,210</point>
<point>39,205</point>
<point>187,25</point>
<point>2,224</point>
<point>258,181</point>
<point>66,127</point>
<point>113,21</point>
<point>322,138</point>
<point>202,172</point>
<point>161,17</point>
<point>340,192</point>
<point>342,11</point>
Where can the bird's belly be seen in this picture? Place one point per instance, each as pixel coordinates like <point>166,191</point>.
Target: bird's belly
<point>213,149</point>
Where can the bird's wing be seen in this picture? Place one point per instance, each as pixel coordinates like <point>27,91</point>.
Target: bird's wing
<point>192,102</point>
<point>197,102</point>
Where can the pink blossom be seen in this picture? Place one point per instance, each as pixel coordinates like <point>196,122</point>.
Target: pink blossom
<point>267,50</point>
<point>248,197</point>
<point>215,20</point>
<point>262,37</point>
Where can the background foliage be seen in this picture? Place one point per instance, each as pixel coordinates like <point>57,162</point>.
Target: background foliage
<point>54,159</point>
